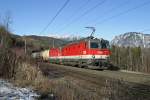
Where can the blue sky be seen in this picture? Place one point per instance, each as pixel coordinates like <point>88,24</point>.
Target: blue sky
<point>31,16</point>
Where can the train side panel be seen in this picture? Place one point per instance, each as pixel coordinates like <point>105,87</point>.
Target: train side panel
<point>55,55</point>
<point>86,52</point>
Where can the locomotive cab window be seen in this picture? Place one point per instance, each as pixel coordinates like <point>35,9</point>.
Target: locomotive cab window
<point>94,45</point>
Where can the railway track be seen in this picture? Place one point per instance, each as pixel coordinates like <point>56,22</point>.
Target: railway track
<point>94,76</point>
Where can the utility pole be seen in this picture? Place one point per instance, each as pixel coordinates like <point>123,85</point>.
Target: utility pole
<point>142,49</point>
<point>143,40</point>
<point>25,45</point>
<point>53,43</point>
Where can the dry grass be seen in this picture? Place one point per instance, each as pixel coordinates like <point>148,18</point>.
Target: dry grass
<point>30,75</point>
<point>21,71</point>
<point>8,63</point>
<point>69,88</point>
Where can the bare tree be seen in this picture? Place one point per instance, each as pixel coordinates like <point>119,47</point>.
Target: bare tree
<point>4,30</point>
<point>7,20</point>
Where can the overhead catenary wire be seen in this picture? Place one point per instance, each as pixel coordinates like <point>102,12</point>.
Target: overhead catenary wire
<point>121,13</point>
<point>81,7</point>
<point>77,11</point>
<point>112,9</point>
<point>52,20</point>
<point>83,14</point>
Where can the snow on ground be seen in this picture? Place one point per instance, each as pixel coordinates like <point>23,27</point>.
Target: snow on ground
<point>127,71</point>
<point>9,92</point>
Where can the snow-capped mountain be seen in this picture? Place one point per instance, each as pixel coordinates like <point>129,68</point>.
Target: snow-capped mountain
<point>132,39</point>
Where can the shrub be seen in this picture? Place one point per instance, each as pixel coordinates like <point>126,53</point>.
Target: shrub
<point>21,71</point>
<point>8,63</point>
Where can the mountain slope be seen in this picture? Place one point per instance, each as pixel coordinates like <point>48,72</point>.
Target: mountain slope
<point>132,39</point>
<point>43,41</point>
<point>36,43</point>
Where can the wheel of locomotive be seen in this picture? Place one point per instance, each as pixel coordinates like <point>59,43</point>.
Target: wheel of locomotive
<point>75,65</point>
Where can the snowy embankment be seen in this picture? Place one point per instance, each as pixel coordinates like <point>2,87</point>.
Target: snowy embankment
<point>10,92</point>
<point>135,72</point>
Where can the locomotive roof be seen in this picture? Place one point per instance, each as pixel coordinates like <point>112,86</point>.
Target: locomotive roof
<point>84,39</point>
<point>91,38</point>
<point>87,39</point>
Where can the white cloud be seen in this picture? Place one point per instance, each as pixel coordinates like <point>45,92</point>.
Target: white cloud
<point>63,35</point>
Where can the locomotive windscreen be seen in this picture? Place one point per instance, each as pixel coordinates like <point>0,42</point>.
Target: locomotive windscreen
<point>94,45</point>
<point>102,44</point>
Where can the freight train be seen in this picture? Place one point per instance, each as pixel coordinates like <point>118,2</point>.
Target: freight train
<point>89,52</point>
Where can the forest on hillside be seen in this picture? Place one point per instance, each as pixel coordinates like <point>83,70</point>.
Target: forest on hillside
<point>131,58</point>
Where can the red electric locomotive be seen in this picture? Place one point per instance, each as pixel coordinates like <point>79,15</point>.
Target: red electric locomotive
<point>89,52</point>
